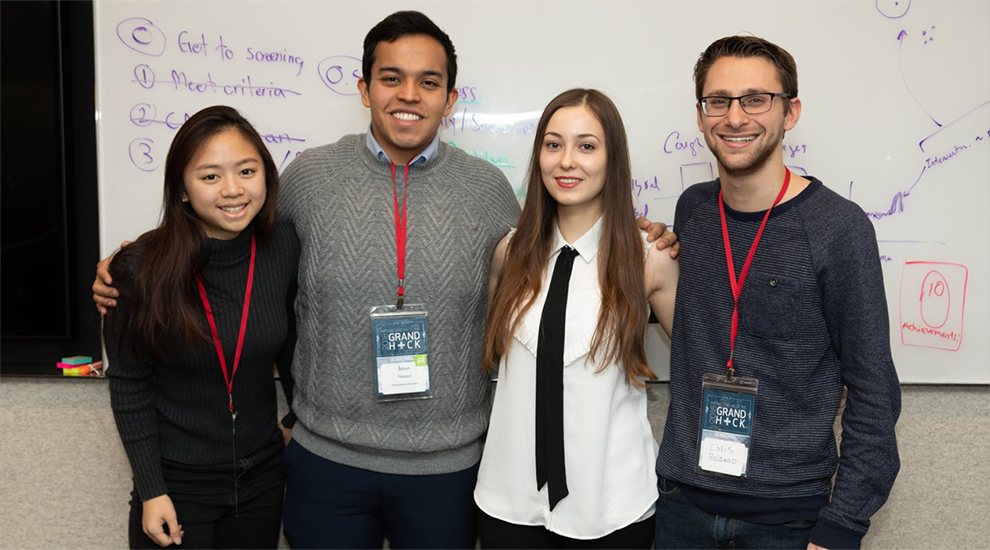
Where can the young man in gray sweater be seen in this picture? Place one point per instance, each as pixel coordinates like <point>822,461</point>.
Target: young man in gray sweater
<point>393,211</point>
<point>780,303</point>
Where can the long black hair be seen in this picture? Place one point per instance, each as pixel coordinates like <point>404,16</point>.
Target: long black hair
<point>156,273</point>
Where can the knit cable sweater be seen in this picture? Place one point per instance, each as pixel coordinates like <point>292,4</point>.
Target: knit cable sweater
<point>339,198</point>
<point>178,409</point>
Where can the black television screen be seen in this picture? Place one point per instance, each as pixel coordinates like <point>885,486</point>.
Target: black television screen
<point>35,279</point>
<point>49,224</point>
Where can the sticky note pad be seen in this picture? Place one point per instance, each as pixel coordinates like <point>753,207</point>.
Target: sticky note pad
<point>89,369</point>
<point>77,360</point>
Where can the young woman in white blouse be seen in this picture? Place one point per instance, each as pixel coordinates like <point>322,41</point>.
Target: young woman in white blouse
<point>569,459</point>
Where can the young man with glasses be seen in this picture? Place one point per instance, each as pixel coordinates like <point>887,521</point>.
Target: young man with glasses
<point>780,304</point>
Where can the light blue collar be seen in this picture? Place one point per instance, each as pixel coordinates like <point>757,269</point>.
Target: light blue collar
<point>418,160</point>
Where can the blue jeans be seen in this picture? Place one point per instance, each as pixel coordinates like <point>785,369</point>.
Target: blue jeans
<point>330,505</point>
<point>682,525</point>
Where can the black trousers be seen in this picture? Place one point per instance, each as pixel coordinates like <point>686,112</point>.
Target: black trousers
<point>204,499</point>
<point>496,533</point>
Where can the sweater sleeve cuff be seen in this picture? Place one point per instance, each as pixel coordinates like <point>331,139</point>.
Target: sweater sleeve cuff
<point>146,466</point>
<point>835,537</point>
<point>150,485</point>
<point>289,420</point>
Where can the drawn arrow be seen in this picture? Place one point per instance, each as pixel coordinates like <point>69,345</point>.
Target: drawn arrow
<point>900,38</point>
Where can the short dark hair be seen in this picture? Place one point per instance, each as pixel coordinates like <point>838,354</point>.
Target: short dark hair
<point>748,46</point>
<point>407,23</point>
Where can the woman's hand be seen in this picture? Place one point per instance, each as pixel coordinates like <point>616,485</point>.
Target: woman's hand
<point>160,511</point>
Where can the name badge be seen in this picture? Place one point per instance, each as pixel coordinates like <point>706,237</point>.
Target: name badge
<point>401,344</point>
<point>727,415</point>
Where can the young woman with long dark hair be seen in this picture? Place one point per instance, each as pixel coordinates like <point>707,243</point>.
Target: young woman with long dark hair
<point>565,333</point>
<point>204,313</point>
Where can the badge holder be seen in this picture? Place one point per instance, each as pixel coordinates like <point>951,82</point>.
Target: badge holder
<point>727,414</point>
<point>401,343</point>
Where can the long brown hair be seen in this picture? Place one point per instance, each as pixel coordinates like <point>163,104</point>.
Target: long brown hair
<point>156,272</point>
<point>619,336</point>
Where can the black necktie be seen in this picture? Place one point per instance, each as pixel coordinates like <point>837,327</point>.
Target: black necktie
<point>550,382</point>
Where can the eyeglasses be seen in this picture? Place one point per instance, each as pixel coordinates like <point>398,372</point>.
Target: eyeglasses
<point>752,104</point>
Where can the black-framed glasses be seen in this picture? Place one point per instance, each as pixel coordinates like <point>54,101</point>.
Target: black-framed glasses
<point>752,104</point>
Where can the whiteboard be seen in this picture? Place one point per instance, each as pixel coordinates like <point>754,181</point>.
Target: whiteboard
<point>896,115</point>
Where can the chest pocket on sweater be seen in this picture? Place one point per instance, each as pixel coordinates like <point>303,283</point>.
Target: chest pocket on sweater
<point>770,305</point>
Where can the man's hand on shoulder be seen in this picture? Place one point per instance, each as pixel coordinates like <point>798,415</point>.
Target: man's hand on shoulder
<point>103,292</point>
<point>657,231</point>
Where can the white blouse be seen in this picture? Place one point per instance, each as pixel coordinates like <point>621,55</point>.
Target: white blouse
<point>609,448</point>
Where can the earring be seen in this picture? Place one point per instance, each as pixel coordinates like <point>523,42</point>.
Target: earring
<point>185,199</point>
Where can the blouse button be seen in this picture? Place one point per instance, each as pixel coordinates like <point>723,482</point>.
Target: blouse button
<point>773,281</point>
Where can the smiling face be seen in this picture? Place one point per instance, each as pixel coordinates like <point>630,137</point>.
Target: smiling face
<point>225,184</point>
<point>407,94</point>
<point>742,143</point>
<point>573,160</point>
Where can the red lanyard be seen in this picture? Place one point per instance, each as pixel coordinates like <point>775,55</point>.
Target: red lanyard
<point>737,286</point>
<point>400,229</point>
<point>240,337</point>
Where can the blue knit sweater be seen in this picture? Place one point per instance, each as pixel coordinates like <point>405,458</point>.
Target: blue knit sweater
<point>812,319</point>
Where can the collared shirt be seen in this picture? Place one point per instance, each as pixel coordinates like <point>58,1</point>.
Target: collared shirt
<point>609,448</point>
<point>418,160</point>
